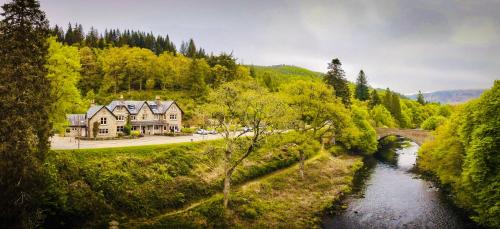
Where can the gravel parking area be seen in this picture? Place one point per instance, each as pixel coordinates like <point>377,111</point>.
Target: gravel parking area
<point>60,143</point>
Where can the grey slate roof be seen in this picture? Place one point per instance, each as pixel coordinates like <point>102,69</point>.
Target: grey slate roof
<point>92,110</point>
<point>75,119</point>
<point>133,106</point>
<point>164,105</point>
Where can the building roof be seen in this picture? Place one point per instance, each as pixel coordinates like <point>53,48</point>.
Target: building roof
<point>94,109</point>
<point>133,106</point>
<point>76,119</point>
<point>164,105</point>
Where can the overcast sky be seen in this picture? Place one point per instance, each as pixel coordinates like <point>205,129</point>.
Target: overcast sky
<point>405,45</point>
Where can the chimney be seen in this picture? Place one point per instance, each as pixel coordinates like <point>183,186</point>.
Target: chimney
<point>121,100</point>
<point>158,102</point>
<point>92,103</point>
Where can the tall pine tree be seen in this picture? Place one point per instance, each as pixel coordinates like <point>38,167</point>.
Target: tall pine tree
<point>420,98</point>
<point>362,93</point>
<point>335,77</point>
<point>387,100</point>
<point>396,109</point>
<point>374,99</point>
<point>25,96</point>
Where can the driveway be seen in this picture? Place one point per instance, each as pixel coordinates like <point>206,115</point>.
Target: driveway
<point>59,143</point>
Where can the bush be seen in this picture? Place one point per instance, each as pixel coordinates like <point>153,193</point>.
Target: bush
<point>135,133</point>
<point>187,130</point>
<point>433,122</point>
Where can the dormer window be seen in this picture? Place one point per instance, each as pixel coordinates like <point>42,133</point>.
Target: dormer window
<point>131,107</point>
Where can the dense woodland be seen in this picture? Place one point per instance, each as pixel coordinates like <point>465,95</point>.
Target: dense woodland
<point>464,156</point>
<point>66,69</point>
<point>128,65</point>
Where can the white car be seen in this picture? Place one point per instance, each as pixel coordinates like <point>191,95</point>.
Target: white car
<point>202,132</point>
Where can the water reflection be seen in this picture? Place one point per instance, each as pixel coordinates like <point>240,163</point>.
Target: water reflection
<point>393,197</point>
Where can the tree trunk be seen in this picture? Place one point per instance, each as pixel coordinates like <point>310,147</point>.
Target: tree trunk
<point>302,158</point>
<point>227,178</point>
<point>227,188</point>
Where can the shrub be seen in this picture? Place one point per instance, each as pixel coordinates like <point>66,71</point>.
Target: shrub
<point>188,130</point>
<point>433,122</point>
<point>135,133</point>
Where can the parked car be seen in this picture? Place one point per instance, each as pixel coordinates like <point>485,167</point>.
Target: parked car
<point>202,131</point>
<point>247,129</point>
<point>212,132</point>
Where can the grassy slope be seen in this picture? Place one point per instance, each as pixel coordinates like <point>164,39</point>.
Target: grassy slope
<point>144,181</point>
<point>286,73</point>
<point>281,200</point>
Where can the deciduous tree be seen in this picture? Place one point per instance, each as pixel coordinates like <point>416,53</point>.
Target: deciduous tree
<point>237,104</point>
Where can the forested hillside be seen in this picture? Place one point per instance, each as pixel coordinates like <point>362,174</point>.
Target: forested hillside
<point>464,156</point>
<point>140,65</point>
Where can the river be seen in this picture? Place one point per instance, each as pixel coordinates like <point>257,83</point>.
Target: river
<point>388,195</point>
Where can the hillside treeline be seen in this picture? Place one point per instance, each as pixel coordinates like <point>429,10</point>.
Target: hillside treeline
<point>465,156</point>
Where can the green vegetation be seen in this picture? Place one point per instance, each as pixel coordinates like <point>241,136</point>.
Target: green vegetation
<point>293,113</point>
<point>281,200</point>
<point>335,77</point>
<point>93,186</point>
<point>25,95</point>
<point>362,92</point>
<point>464,157</point>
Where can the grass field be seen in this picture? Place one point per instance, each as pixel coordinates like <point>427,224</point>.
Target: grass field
<point>93,186</point>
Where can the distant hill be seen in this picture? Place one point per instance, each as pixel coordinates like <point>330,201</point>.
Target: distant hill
<point>283,73</point>
<point>450,96</point>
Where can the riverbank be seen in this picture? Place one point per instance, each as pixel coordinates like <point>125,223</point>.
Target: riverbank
<point>393,196</point>
<point>282,199</point>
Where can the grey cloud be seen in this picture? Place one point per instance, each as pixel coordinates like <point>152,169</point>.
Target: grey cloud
<point>405,45</point>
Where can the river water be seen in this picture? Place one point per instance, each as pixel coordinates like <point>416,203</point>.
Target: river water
<point>391,196</point>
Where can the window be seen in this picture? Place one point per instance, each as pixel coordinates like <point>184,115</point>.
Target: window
<point>119,128</point>
<point>134,128</point>
<point>144,116</point>
<point>164,127</point>
<point>157,127</point>
<point>132,117</point>
<point>157,117</point>
<point>103,131</point>
<point>121,118</point>
<point>104,121</point>
<point>173,117</point>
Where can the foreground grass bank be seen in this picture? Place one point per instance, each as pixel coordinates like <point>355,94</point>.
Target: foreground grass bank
<point>93,186</point>
<point>280,200</point>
